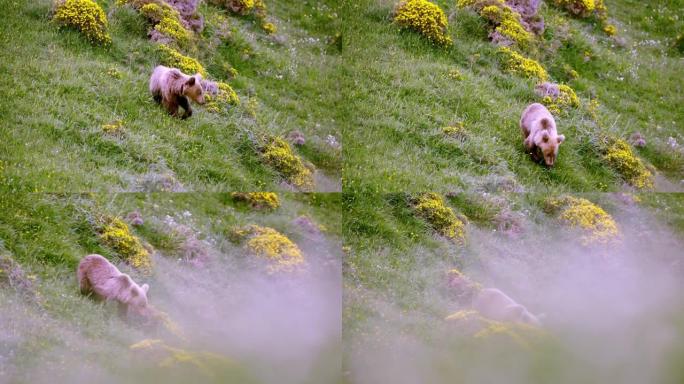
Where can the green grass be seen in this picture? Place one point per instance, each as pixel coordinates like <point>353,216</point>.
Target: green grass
<point>58,94</point>
<point>398,105</point>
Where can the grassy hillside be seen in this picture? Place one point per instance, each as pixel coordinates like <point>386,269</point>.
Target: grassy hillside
<point>403,90</point>
<point>212,287</point>
<point>60,91</point>
<point>605,304</point>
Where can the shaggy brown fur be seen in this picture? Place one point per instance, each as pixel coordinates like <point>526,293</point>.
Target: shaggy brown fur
<point>98,276</point>
<point>173,88</point>
<point>539,132</point>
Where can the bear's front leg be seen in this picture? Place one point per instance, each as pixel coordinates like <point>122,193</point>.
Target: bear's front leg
<point>183,102</point>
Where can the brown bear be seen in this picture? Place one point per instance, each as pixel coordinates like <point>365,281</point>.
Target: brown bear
<point>489,302</point>
<point>540,135</point>
<point>173,88</point>
<point>97,275</point>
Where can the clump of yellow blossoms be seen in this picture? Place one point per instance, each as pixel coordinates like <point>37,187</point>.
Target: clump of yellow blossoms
<point>172,58</point>
<point>518,64</point>
<point>566,98</point>
<point>425,18</point>
<point>167,21</point>
<point>117,235</point>
<point>86,16</point>
<point>115,128</point>
<point>487,329</point>
<point>581,8</point>
<point>225,96</point>
<point>456,131</point>
<point>246,7</point>
<point>278,155</point>
<point>596,224</point>
<point>455,74</point>
<point>208,364</point>
<point>619,155</point>
<point>432,208</point>
<point>266,242</point>
<point>506,23</point>
<point>258,200</point>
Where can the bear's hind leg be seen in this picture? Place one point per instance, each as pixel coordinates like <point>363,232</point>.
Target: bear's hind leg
<point>157,97</point>
<point>171,107</point>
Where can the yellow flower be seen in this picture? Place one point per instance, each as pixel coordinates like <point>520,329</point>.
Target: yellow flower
<point>598,226</point>
<point>432,208</point>
<point>278,154</point>
<point>117,235</point>
<point>425,18</point>
<point>172,58</point>
<point>86,16</point>
<point>258,200</point>
<point>284,255</point>
<point>518,64</point>
<point>225,96</point>
<point>620,157</point>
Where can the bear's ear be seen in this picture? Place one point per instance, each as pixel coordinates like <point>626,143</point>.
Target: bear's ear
<point>561,138</point>
<point>545,123</point>
<point>145,288</point>
<point>125,280</point>
<point>191,81</point>
<point>545,137</point>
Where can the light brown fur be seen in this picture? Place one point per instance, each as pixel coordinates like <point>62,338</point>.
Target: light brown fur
<point>172,89</point>
<point>496,305</point>
<point>98,276</point>
<point>489,302</point>
<point>540,135</point>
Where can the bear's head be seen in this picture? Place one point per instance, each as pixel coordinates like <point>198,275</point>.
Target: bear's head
<point>134,295</point>
<point>192,88</point>
<point>548,142</point>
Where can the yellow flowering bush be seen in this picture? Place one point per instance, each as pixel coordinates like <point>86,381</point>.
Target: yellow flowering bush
<point>258,200</point>
<point>597,225</point>
<point>610,29</point>
<point>167,21</point>
<point>86,16</point>
<point>507,24</point>
<point>114,128</point>
<point>455,74</point>
<point>487,329</point>
<point>225,96</point>
<point>620,157</point>
<point>581,8</point>
<point>269,28</point>
<point>208,364</point>
<point>456,131</point>
<point>425,18</point>
<point>117,235</point>
<point>172,58</point>
<point>278,155</point>
<point>518,64</point>
<point>281,252</point>
<point>585,8</point>
<point>566,98</point>
<point>432,208</point>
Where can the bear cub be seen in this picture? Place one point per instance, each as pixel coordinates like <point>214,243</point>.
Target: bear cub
<point>172,88</point>
<point>97,275</point>
<point>539,132</point>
